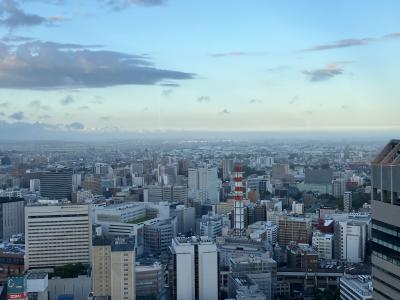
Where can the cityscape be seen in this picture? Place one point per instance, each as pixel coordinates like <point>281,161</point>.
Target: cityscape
<point>199,150</point>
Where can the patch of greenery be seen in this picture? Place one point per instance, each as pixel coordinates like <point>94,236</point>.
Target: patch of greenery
<point>140,220</point>
<point>70,271</point>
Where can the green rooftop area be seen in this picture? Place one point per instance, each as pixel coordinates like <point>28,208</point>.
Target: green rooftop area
<point>70,271</point>
<point>140,220</point>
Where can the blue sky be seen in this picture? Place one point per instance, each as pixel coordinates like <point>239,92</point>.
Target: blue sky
<point>150,65</point>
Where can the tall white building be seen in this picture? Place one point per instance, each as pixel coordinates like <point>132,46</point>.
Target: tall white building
<point>203,184</point>
<point>323,243</point>
<point>350,240</point>
<point>56,235</point>
<point>195,269</point>
<point>347,201</point>
<point>297,208</point>
<point>34,185</point>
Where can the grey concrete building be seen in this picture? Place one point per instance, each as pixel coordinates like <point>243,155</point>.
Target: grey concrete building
<point>385,204</point>
<point>11,217</point>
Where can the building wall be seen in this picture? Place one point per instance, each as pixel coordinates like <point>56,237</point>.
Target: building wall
<point>57,235</point>
<point>101,270</point>
<point>123,285</point>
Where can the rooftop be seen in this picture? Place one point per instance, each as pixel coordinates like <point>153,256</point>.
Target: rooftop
<point>390,155</point>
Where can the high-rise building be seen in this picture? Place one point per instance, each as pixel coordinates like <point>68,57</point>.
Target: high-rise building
<point>385,206</point>
<point>113,268</point>
<point>11,217</point>
<point>294,229</point>
<point>347,201</point>
<point>338,187</point>
<point>323,243</point>
<point>34,185</point>
<point>186,219</point>
<point>56,235</point>
<point>238,213</point>
<point>150,280</point>
<point>194,269</point>
<point>318,176</point>
<point>56,183</point>
<point>211,226</point>
<point>101,264</point>
<point>227,168</point>
<point>350,240</point>
<point>203,184</point>
<point>123,283</point>
<point>158,235</point>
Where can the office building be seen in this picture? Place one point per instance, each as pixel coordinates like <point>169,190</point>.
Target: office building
<point>302,257</point>
<point>11,217</point>
<point>123,283</point>
<point>297,208</point>
<point>350,240</point>
<point>186,218</point>
<point>227,168</point>
<point>34,185</point>
<point>385,207</point>
<point>113,268</point>
<point>150,280</point>
<point>211,226</point>
<point>203,184</point>
<point>158,235</point>
<point>356,287</point>
<point>294,229</point>
<point>56,235</point>
<point>338,188</point>
<point>101,266</point>
<point>194,269</point>
<point>323,244</point>
<point>318,176</point>
<point>347,201</point>
<point>56,183</point>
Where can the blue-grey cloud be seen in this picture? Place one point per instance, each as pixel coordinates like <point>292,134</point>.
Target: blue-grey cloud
<point>83,107</point>
<point>40,65</point>
<point>204,99</point>
<point>233,53</point>
<point>341,44</point>
<point>255,101</point>
<point>294,100</point>
<point>123,4</point>
<point>75,126</point>
<point>12,17</point>
<point>170,84</point>
<point>326,73</point>
<point>225,111</point>
<point>36,104</point>
<point>67,100</point>
<point>16,39</point>
<point>5,104</point>
<point>17,116</point>
<point>353,42</point>
<point>166,93</point>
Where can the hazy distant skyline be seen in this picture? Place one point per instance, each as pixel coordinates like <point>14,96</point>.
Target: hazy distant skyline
<point>149,65</point>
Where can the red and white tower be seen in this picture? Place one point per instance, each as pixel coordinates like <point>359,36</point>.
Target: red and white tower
<point>238,200</point>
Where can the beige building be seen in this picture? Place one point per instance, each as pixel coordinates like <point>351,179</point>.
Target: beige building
<point>294,229</point>
<point>114,268</point>
<point>101,267</point>
<point>57,235</point>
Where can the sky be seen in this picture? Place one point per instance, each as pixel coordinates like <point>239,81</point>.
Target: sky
<point>120,66</point>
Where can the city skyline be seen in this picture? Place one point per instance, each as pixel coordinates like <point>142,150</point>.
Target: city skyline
<point>110,68</point>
